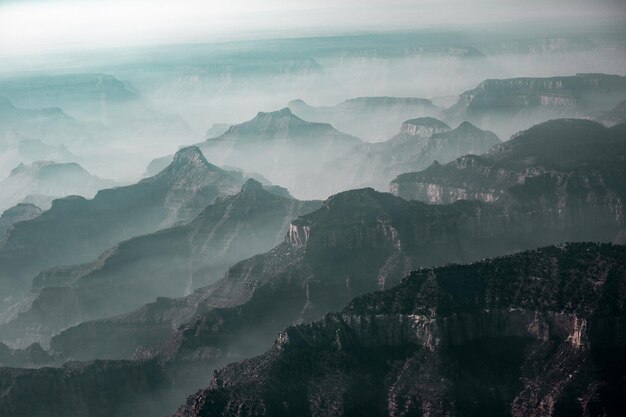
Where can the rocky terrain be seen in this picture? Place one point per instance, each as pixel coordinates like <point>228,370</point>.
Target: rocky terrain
<point>172,262</point>
<point>373,119</point>
<point>67,233</point>
<point>51,179</point>
<point>509,105</point>
<point>18,213</point>
<point>568,162</point>
<point>420,142</point>
<point>537,333</point>
<point>280,146</point>
<point>359,241</point>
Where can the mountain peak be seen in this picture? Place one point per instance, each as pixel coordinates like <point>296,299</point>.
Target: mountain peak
<point>191,155</point>
<point>251,185</point>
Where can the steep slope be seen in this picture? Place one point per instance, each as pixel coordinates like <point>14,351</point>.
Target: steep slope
<point>18,213</point>
<point>507,106</point>
<point>49,178</point>
<point>566,160</point>
<point>172,262</point>
<point>359,241</point>
<point>280,146</point>
<point>76,230</point>
<point>537,333</point>
<point>371,118</point>
<point>420,142</point>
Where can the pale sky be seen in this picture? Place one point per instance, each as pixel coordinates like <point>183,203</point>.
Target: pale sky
<point>34,26</point>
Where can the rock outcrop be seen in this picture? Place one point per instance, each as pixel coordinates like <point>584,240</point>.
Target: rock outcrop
<point>537,333</point>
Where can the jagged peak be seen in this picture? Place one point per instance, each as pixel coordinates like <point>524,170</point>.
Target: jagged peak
<point>251,185</point>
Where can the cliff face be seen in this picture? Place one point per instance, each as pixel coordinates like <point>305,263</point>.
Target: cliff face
<point>537,333</point>
<point>574,165</point>
<point>172,262</point>
<point>507,106</point>
<point>67,233</point>
<point>359,241</point>
<point>421,142</point>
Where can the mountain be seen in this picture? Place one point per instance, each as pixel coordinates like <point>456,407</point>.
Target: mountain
<point>613,117</point>
<point>48,124</point>
<point>536,333</point>
<point>18,213</point>
<point>86,94</point>
<point>420,142</point>
<point>359,241</point>
<point>281,147</point>
<point>509,105</point>
<point>48,178</point>
<point>371,118</point>
<point>76,230</point>
<point>16,148</point>
<point>171,262</point>
<point>577,162</point>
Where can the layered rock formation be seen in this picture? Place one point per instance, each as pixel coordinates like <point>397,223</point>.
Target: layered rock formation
<point>371,118</point>
<point>280,146</point>
<point>48,178</point>
<point>420,142</point>
<point>509,105</point>
<point>76,230</point>
<point>172,262</point>
<point>537,333</point>
<point>565,163</point>
<point>359,241</point>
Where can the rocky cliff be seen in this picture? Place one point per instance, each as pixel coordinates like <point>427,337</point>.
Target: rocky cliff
<point>537,333</point>
<point>509,105</point>
<point>568,163</point>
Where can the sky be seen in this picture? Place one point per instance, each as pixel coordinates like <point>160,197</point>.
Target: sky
<point>36,26</point>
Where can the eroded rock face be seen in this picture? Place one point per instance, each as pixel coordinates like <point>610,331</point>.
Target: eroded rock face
<point>567,164</point>
<point>420,143</point>
<point>509,105</point>
<point>528,334</point>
